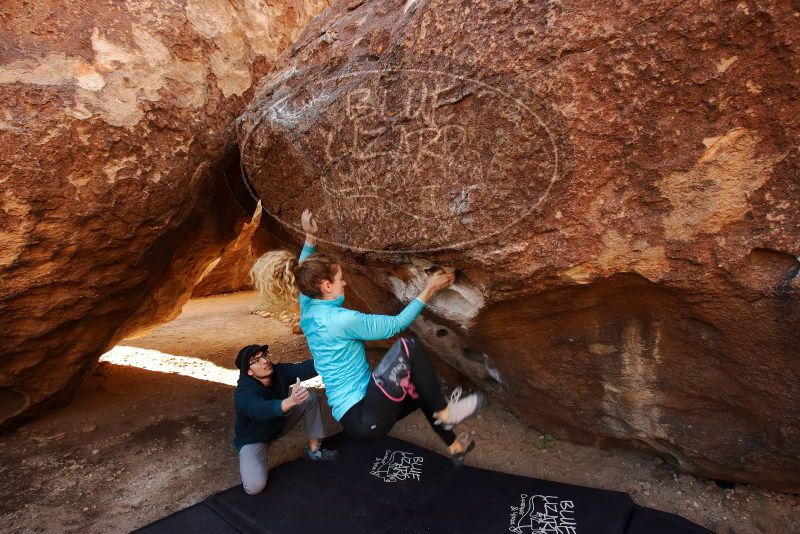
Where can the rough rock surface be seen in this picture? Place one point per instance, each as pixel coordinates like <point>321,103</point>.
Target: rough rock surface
<point>616,183</point>
<point>231,271</point>
<point>115,124</point>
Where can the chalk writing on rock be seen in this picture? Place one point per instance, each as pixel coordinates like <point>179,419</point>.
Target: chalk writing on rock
<point>451,159</point>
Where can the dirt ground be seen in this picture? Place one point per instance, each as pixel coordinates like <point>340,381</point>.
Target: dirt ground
<point>137,444</point>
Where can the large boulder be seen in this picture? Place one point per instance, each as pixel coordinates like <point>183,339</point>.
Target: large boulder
<point>116,131</point>
<point>616,184</point>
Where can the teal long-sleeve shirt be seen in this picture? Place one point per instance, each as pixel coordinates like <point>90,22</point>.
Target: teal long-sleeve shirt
<point>336,336</point>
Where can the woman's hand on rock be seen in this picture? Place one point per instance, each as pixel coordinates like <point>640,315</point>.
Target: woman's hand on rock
<point>309,224</point>
<point>435,283</point>
<point>440,280</point>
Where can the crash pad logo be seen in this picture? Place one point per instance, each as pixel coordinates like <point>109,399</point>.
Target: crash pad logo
<point>541,514</point>
<point>397,466</point>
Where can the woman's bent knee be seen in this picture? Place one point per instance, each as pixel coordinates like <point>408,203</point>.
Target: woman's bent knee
<point>368,431</point>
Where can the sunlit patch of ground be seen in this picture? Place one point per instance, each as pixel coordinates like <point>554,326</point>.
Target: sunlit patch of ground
<point>189,366</point>
<point>154,360</point>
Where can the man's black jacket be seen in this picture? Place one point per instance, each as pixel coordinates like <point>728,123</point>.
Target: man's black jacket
<point>259,418</point>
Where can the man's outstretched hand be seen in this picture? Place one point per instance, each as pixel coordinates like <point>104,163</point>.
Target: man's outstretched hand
<point>297,396</point>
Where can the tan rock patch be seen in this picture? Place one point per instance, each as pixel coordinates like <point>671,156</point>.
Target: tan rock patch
<point>715,192</point>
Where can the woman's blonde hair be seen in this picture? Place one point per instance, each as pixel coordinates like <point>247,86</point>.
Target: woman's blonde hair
<point>280,278</point>
<point>273,276</point>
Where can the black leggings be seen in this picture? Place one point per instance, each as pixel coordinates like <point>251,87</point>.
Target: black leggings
<point>375,414</point>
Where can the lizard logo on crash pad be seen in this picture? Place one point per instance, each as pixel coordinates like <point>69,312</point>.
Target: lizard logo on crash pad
<point>540,514</point>
<point>397,466</point>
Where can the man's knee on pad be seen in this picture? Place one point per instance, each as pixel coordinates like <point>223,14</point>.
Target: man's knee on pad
<point>254,487</point>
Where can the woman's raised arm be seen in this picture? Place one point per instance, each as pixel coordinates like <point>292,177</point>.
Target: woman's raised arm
<point>372,327</point>
<point>309,224</point>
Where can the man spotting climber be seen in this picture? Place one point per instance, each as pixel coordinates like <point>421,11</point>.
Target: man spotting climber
<point>269,402</point>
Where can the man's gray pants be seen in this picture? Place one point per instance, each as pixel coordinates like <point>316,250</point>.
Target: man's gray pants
<point>253,456</point>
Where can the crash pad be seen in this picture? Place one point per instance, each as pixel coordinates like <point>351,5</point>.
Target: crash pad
<point>390,486</point>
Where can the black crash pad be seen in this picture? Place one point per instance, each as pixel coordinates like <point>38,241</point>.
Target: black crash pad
<point>390,486</point>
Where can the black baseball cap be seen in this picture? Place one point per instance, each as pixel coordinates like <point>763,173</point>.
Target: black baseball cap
<point>243,358</point>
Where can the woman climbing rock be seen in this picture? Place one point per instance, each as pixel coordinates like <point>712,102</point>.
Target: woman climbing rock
<point>366,403</point>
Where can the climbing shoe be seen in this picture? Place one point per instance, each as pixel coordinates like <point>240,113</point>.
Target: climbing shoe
<point>459,409</point>
<point>322,455</point>
<point>466,446</point>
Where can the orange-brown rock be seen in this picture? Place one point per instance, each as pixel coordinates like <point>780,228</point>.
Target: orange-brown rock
<point>616,182</point>
<point>231,271</point>
<point>116,124</point>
